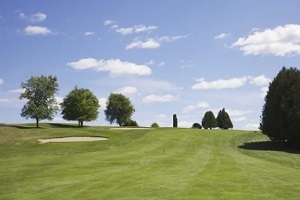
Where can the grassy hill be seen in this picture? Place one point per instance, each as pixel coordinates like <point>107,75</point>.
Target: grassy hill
<point>162,163</point>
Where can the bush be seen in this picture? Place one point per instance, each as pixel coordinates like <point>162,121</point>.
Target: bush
<point>154,125</point>
<point>131,123</point>
<point>197,125</point>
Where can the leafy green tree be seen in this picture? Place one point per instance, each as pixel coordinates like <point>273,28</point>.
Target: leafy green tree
<point>197,125</point>
<point>118,109</point>
<point>281,111</point>
<point>209,120</point>
<point>175,121</point>
<point>80,105</point>
<point>41,104</point>
<point>131,122</point>
<point>154,125</point>
<point>223,120</point>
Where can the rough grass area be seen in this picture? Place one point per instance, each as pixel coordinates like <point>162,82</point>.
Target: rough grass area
<point>163,163</point>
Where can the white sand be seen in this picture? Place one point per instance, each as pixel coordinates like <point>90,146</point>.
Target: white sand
<point>72,139</point>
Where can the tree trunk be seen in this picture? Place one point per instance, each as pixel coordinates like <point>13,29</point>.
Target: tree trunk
<point>37,122</point>
<point>81,124</point>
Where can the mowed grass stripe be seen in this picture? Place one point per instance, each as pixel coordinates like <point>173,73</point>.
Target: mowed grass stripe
<point>162,163</point>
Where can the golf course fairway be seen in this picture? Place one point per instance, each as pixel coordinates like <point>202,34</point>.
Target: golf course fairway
<point>162,163</point>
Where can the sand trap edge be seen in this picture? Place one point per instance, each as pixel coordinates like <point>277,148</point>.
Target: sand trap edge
<point>72,139</point>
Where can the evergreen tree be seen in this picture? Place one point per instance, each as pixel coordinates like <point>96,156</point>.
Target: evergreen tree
<point>223,120</point>
<point>80,105</point>
<point>209,120</point>
<point>175,121</point>
<point>281,112</point>
<point>41,104</point>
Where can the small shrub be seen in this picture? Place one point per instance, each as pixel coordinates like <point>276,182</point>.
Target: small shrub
<point>197,125</point>
<point>154,125</point>
<point>131,123</point>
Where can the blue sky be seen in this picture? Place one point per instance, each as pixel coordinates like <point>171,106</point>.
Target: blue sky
<point>183,57</point>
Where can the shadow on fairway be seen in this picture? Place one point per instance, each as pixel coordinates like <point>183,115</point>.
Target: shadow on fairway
<point>56,125</point>
<point>267,146</point>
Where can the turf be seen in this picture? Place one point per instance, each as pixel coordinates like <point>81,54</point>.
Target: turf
<point>163,163</point>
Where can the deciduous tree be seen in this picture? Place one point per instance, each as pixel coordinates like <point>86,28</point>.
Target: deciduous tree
<point>119,109</point>
<point>39,92</point>
<point>80,105</point>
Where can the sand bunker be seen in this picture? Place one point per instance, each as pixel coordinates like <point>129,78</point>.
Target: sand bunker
<point>72,139</point>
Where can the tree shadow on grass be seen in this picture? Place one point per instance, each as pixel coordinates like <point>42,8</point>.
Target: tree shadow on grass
<point>268,146</point>
<point>57,125</point>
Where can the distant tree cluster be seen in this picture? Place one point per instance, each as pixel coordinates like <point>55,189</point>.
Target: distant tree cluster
<point>79,105</point>
<point>222,121</point>
<point>280,119</point>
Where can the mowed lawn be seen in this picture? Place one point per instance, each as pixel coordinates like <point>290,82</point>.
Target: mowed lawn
<point>162,163</point>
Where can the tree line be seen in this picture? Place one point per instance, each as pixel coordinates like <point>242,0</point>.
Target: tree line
<point>78,105</point>
<point>209,121</point>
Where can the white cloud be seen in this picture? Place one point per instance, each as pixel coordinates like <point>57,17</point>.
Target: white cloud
<point>108,22</point>
<point>159,98</point>
<point>1,81</point>
<point>59,100</point>
<point>115,67</point>
<point>280,41</point>
<point>127,90</point>
<point>38,17</point>
<point>125,31</point>
<point>151,62</point>
<point>185,124</point>
<point>200,105</point>
<point>136,29</point>
<point>260,80</point>
<point>219,84</point>
<point>115,26</point>
<point>150,43</point>
<point>37,30</point>
<point>236,113</point>
<point>102,103</point>
<point>89,33</point>
<point>222,36</point>
<point>264,91</point>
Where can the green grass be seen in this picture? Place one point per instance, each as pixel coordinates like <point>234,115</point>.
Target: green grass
<point>163,163</point>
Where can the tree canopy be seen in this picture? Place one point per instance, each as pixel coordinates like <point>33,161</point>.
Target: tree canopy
<point>80,105</point>
<point>41,104</point>
<point>281,111</point>
<point>118,109</point>
<point>209,120</point>
<point>223,120</point>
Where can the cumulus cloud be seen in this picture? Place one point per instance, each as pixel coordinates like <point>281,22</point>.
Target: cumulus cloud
<point>37,30</point>
<point>38,17</point>
<point>222,36</point>
<point>152,43</point>
<point>161,64</point>
<point>108,22</point>
<point>202,84</point>
<point>239,119</point>
<point>264,91</point>
<point>115,67</point>
<point>260,80</point>
<point>89,33</point>
<point>251,127</point>
<point>159,98</point>
<point>236,113</point>
<point>1,81</point>
<point>127,90</point>
<point>125,31</point>
<point>102,103</point>
<point>200,105</point>
<point>280,41</point>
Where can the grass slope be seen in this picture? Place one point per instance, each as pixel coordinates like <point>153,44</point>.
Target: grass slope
<point>162,163</point>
